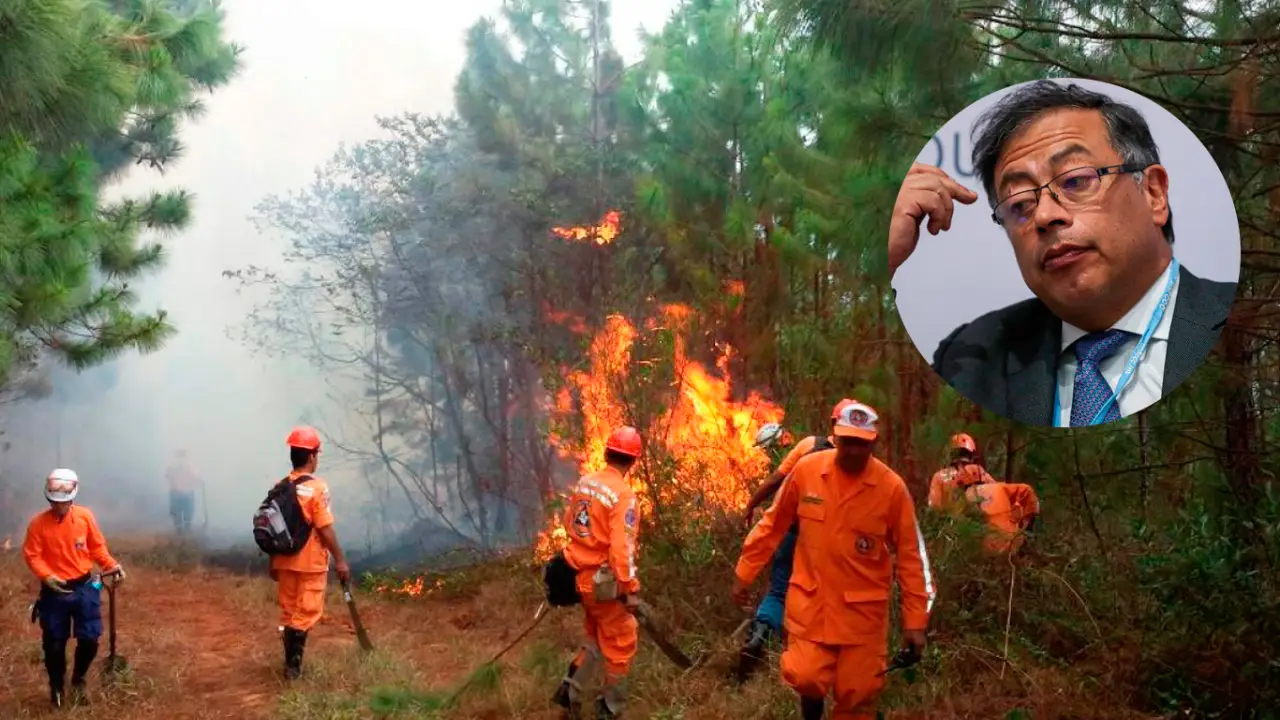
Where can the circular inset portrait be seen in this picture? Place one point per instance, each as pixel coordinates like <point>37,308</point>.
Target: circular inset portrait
<point>1036,262</point>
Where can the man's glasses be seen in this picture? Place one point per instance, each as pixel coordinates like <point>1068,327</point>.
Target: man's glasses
<point>1071,190</point>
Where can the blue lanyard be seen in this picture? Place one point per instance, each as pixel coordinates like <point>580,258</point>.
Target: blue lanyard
<point>1135,357</point>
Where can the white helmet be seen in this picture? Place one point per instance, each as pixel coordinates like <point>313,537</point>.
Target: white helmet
<point>769,435</point>
<point>62,485</point>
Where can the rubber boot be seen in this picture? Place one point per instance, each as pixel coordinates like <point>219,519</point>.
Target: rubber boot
<point>812,708</point>
<point>86,651</point>
<point>55,664</point>
<point>295,641</point>
<point>602,710</point>
<point>753,651</point>
<point>562,696</point>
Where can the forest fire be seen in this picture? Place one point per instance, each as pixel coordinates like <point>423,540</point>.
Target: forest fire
<point>606,232</point>
<point>413,587</point>
<point>699,450</point>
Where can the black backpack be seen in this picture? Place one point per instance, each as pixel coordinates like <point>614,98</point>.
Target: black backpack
<point>279,527</point>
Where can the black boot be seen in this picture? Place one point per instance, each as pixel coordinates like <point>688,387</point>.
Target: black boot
<point>55,664</point>
<point>812,708</point>
<point>562,697</point>
<point>295,641</point>
<point>86,651</point>
<point>753,651</point>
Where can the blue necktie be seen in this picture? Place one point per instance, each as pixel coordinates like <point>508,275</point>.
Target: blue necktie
<point>1091,389</point>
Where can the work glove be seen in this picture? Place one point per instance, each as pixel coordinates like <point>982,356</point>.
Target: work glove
<point>116,575</point>
<point>56,584</point>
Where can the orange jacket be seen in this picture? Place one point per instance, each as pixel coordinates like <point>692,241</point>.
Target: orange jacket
<point>850,529</point>
<point>313,496</point>
<point>948,483</point>
<point>66,547</point>
<point>1008,507</point>
<point>603,521</point>
<point>802,448</point>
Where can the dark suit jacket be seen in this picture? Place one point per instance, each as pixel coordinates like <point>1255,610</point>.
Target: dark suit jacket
<point>1007,361</point>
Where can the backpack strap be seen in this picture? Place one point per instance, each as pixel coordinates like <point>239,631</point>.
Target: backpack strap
<point>820,443</point>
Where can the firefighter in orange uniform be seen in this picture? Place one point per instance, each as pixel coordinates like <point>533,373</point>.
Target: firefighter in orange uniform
<point>1010,509</point>
<point>61,547</point>
<point>944,489</point>
<point>603,521</point>
<point>856,517</point>
<point>301,578</point>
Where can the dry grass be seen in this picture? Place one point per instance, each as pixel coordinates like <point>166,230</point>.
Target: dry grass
<point>203,644</point>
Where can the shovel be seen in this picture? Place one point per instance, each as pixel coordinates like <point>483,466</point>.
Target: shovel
<point>361,635</point>
<point>114,665</point>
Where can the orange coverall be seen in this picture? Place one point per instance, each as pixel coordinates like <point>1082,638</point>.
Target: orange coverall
<point>603,522</point>
<point>301,578</point>
<point>947,484</point>
<point>1008,507</point>
<point>851,528</point>
<point>67,548</point>
<point>801,449</point>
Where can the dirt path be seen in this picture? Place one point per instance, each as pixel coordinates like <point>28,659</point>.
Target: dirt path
<point>203,644</point>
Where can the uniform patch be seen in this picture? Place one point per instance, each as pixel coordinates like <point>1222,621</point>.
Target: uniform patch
<point>324,498</point>
<point>865,544</point>
<point>631,517</point>
<point>582,519</point>
<point>81,544</point>
<point>811,499</point>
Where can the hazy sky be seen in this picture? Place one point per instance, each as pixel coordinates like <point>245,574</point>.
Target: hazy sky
<point>315,75</point>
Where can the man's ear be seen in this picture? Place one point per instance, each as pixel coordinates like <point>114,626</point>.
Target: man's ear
<point>1155,188</point>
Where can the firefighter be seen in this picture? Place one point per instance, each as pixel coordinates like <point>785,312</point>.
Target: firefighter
<point>301,578</point>
<point>1008,509</point>
<point>857,528</point>
<point>183,482</point>
<point>944,487</point>
<point>768,617</point>
<point>62,545</point>
<point>603,521</point>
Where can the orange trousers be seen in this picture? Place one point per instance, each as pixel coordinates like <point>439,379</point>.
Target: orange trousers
<point>301,598</point>
<point>815,670</point>
<point>615,631</point>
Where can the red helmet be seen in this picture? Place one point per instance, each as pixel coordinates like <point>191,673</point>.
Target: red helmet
<point>305,437</point>
<point>962,441</point>
<point>624,440</point>
<point>835,412</point>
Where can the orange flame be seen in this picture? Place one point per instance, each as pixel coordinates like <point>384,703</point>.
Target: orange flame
<point>606,232</point>
<point>413,587</point>
<point>700,450</point>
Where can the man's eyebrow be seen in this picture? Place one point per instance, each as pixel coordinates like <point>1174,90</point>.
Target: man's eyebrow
<point>1055,159</point>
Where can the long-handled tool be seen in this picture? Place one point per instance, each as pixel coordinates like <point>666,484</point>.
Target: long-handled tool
<point>115,665</point>
<point>644,614</point>
<point>361,635</point>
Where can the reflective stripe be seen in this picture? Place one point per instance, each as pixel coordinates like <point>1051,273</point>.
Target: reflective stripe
<point>631,543</point>
<point>924,563</point>
<point>304,490</point>
<point>601,488</point>
<point>591,493</point>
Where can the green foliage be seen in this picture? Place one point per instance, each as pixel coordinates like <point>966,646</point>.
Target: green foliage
<point>81,81</point>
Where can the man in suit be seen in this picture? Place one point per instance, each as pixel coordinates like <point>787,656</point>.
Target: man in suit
<point>1076,183</point>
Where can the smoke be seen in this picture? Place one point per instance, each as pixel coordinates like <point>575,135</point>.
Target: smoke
<point>311,81</point>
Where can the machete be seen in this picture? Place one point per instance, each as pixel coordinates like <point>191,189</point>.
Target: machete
<point>361,635</point>
<point>645,615</point>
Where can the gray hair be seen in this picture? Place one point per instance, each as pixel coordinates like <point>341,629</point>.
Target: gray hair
<point>1128,131</point>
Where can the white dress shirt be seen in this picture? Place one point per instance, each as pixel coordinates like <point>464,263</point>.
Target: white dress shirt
<point>1144,388</point>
